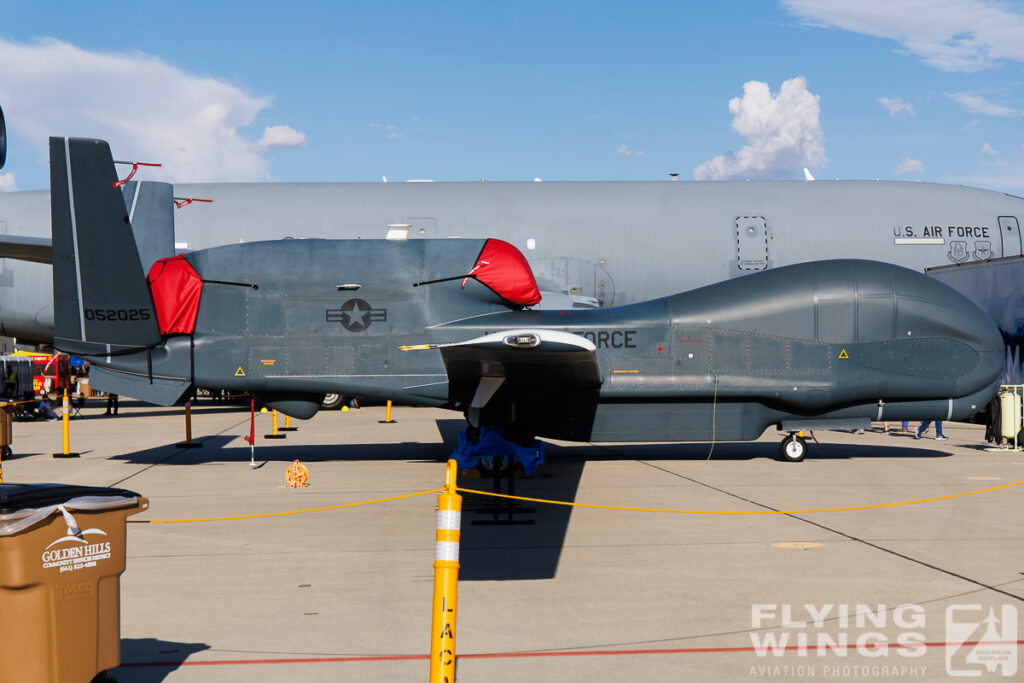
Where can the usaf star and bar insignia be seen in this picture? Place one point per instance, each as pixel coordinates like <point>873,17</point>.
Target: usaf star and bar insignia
<point>355,315</point>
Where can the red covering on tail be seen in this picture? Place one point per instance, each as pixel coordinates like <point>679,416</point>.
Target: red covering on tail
<point>505,270</point>
<point>176,288</point>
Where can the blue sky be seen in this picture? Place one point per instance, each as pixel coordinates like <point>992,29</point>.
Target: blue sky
<point>334,91</point>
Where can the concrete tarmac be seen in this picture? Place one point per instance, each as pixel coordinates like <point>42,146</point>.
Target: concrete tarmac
<point>580,594</point>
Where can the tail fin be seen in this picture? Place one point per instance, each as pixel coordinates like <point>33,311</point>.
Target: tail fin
<point>151,212</point>
<point>101,302</point>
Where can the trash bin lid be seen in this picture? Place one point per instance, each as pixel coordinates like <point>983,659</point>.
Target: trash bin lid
<point>15,497</point>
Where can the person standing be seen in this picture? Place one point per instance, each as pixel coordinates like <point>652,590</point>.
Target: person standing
<point>938,430</point>
<point>11,381</point>
<point>111,404</point>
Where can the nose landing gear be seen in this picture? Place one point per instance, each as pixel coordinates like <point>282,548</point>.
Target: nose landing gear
<point>793,448</point>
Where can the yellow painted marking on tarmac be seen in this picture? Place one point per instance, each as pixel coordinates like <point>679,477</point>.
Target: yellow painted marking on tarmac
<point>798,545</point>
<point>842,354</point>
<point>740,512</point>
<point>289,512</point>
<point>239,372</point>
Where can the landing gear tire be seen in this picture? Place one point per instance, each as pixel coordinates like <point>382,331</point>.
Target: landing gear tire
<point>332,402</point>
<point>792,449</point>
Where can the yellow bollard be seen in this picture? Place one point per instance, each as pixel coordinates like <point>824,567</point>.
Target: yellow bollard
<point>65,452</point>
<point>273,429</point>
<point>288,425</point>
<point>446,580</point>
<point>187,443</point>
<point>387,416</point>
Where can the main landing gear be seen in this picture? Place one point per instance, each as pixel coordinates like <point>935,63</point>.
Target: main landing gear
<point>793,448</point>
<point>333,401</point>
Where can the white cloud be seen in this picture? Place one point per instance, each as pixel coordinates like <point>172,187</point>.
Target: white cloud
<point>977,104</point>
<point>279,137</point>
<point>393,132</point>
<point>951,35</point>
<point>627,151</point>
<point>782,134</point>
<point>908,167</point>
<point>895,105</point>
<point>147,109</point>
<point>987,149</point>
<point>7,182</point>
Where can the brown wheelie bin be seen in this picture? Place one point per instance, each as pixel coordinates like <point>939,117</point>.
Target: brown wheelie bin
<point>62,552</point>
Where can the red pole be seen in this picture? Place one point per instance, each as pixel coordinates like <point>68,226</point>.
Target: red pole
<point>252,431</point>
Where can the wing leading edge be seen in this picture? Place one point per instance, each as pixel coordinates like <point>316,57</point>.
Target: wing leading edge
<point>504,369</point>
<point>34,249</point>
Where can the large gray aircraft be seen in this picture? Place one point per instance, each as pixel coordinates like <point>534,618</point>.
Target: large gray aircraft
<point>589,243</point>
<point>447,323</point>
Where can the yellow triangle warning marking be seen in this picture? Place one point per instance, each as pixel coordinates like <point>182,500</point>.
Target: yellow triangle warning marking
<point>239,372</point>
<point>842,354</point>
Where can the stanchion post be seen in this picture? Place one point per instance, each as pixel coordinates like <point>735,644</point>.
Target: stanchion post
<point>252,431</point>
<point>273,429</point>
<point>446,580</point>
<point>288,425</point>
<point>65,407</point>
<point>187,443</point>
<point>387,416</point>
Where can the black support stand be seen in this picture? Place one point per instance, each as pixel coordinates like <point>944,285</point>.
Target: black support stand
<point>503,506</point>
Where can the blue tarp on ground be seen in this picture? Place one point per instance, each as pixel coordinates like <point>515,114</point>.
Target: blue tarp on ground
<point>493,442</point>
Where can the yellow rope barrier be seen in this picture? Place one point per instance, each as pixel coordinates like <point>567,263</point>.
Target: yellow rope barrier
<point>18,403</point>
<point>279,514</point>
<point>582,505</point>
<point>737,512</point>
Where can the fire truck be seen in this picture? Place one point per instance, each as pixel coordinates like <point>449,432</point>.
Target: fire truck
<point>49,373</point>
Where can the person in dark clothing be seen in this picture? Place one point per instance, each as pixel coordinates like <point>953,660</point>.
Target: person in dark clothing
<point>11,382</point>
<point>45,410</point>
<point>994,424</point>
<point>111,404</point>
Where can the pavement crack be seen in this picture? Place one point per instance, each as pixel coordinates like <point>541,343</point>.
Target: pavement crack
<point>176,454</point>
<point>825,527</point>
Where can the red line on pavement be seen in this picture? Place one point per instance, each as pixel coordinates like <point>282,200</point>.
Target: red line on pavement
<point>566,653</point>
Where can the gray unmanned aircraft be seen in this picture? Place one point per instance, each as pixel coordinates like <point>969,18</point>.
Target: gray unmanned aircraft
<point>589,243</point>
<point>448,323</point>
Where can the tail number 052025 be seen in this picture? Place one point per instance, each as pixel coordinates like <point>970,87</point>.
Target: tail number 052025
<point>117,314</point>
